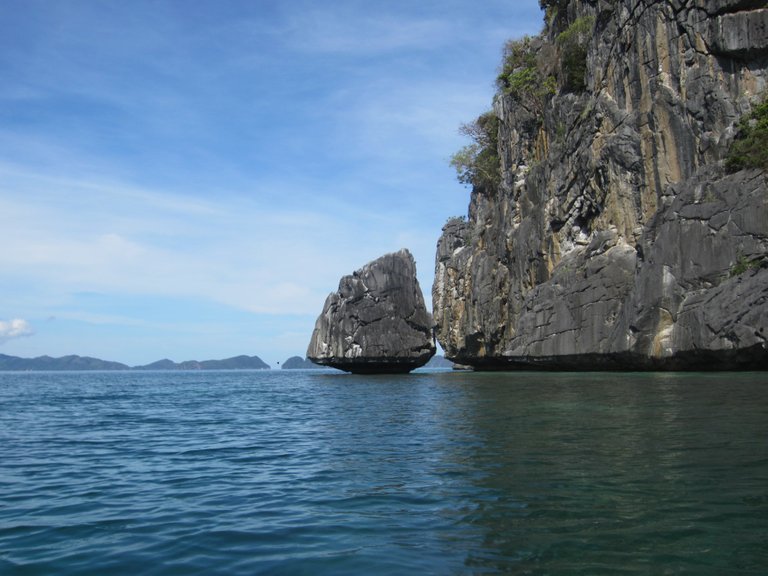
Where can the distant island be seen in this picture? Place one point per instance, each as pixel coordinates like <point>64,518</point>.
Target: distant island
<point>73,362</point>
<point>299,363</point>
<point>235,363</point>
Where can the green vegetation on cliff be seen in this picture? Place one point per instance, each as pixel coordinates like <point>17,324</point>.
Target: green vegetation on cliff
<point>553,9</point>
<point>527,72</point>
<point>477,164</point>
<point>533,70</point>
<point>572,45</point>
<point>750,149</point>
<point>522,75</point>
<point>743,264</point>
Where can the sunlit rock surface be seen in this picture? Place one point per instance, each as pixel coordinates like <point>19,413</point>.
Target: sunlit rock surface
<point>376,322</point>
<point>615,239</point>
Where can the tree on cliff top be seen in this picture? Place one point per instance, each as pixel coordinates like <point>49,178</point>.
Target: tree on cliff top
<point>478,164</point>
<point>553,6</point>
<point>554,11</point>
<point>544,4</point>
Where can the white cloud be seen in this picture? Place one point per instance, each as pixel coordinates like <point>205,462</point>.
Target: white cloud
<point>16,328</point>
<point>72,237</point>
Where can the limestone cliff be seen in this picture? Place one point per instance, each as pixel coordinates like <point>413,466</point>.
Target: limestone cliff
<point>613,237</point>
<point>376,322</point>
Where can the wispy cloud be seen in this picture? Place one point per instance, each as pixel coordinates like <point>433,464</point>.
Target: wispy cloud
<point>86,236</point>
<point>180,156</point>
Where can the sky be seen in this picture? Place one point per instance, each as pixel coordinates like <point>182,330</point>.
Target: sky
<point>190,180</point>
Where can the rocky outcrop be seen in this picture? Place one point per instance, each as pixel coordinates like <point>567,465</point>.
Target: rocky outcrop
<point>376,322</point>
<point>615,239</point>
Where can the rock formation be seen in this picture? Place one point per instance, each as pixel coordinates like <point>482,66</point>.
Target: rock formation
<point>376,322</point>
<point>614,238</point>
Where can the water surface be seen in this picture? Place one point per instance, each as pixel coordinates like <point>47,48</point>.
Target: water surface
<point>300,472</point>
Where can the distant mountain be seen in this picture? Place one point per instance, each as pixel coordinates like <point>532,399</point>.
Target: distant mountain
<point>235,363</point>
<point>14,363</point>
<point>63,363</point>
<point>163,364</point>
<point>299,363</point>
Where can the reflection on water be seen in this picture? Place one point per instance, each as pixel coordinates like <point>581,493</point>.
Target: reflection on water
<point>625,473</point>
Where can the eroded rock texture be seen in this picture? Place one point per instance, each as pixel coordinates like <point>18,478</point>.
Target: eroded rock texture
<point>376,322</point>
<point>615,239</point>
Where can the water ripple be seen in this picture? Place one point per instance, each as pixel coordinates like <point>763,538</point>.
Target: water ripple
<point>443,473</point>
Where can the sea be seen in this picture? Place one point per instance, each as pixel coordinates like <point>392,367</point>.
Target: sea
<point>437,472</point>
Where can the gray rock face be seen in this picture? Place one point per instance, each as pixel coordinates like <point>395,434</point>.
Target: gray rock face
<point>376,322</point>
<point>615,239</point>
<point>743,33</point>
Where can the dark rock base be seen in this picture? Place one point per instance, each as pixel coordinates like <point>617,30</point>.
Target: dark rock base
<point>746,359</point>
<point>374,366</point>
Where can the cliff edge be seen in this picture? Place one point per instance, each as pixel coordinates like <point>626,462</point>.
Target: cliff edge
<point>604,231</point>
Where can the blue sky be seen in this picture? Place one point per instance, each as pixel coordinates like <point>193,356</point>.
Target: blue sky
<point>191,179</point>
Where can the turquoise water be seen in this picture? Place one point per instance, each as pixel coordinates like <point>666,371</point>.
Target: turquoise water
<point>433,473</point>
